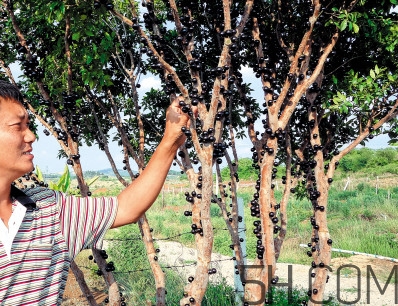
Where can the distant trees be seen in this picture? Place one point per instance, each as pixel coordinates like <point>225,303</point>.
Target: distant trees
<point>90,173</point>
<point>366,160</point>
<point>245,171</point>
<point>358,160</point>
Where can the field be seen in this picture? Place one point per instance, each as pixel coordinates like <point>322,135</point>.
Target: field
<point>362,216</point>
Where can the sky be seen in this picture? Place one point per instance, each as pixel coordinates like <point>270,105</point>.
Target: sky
<point>46,148</point>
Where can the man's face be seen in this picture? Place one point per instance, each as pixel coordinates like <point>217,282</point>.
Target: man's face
<point>16,140</point>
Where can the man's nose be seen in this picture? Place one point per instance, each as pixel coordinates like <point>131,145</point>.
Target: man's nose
<point>30,136</point>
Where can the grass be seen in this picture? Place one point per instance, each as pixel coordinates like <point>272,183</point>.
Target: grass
<point>359,220</point>
<point>365,222</point>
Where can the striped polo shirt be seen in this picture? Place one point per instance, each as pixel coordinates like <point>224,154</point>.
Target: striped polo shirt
<point>56,227</point>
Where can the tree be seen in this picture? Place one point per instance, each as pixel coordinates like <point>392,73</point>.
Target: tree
<point>328,72</point>
<point>70,61</point>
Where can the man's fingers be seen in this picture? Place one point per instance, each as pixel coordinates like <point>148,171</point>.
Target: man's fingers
<point>183,117</point>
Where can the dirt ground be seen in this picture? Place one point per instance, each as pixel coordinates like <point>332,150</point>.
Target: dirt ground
<point>73,296</point>
<point>346,283</point>
<point>364,278</point>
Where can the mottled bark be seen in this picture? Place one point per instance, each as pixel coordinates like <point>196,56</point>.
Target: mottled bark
<point>157,271</point>
<point>203,236</point>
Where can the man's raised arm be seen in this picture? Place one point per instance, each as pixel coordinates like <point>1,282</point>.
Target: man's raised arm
<point>134,201</point>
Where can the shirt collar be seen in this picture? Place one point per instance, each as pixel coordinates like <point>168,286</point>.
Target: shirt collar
<point>22,198</point>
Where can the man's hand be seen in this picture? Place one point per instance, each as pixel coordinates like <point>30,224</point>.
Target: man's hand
<point>175,120</point>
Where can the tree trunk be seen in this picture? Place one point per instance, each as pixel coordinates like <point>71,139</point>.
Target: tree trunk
<point>196,289</point>
<point>320,239</point>
<point>113,289</point>
<point>265,263</point>
<point>82,284</point>
<point>231,218</point>
<point>157,271</point>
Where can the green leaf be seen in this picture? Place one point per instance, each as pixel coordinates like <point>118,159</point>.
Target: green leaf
<point>64,181</point>
<point>52,185</point>
<point>372,74</point>
<point>107,36</point>
<point>89,59</point>
<point>341,96</point>
<point>89,32</point>
<point>336,100</point>
<point>62,7</point>
<point>76,36</point>
<point>355,27</point>
<point>377,70</point>
<point>53,5</point>
<point>343,25</point>
<point>103,58</point>
<point>39,174</point>
<point>60,16</point>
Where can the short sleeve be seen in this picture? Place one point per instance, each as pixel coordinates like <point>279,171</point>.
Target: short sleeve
<point>85,220</point>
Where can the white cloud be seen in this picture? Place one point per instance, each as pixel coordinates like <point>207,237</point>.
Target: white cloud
<point>246,71</point>
<point>149,82</point>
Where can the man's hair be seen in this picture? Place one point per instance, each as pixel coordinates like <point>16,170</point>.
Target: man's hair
<point>10,91</point>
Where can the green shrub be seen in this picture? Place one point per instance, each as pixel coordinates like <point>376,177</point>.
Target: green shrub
<point>361,186</point>
<point>245,171</point>
<point>281,297</point>
<point>219,295</point>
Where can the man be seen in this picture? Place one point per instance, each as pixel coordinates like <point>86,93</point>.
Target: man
<point>41,230</point>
